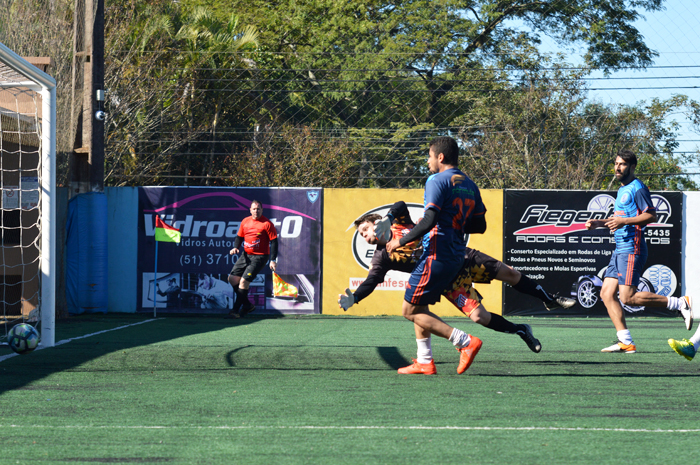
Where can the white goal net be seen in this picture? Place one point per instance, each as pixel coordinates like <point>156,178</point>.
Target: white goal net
<point>27,178</point>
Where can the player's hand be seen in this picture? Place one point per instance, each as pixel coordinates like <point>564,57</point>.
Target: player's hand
<point>614,223</point>
<point>392,245</point>
<point>273,265</point>
<point>346,300</point>
<point>382,229</point>
<point>594,224</point>
<point>233,251</point>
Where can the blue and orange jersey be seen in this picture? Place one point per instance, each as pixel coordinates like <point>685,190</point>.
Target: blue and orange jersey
<point>632,200</point>
<point>457,199</point>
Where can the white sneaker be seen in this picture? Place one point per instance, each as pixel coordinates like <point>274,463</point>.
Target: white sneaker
<point>620,347</point>
<point>686,311</point>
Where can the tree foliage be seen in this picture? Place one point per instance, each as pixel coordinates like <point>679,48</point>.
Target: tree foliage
<point>339,94</point>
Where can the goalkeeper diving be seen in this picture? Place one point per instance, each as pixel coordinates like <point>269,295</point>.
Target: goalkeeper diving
<point>478,268</point>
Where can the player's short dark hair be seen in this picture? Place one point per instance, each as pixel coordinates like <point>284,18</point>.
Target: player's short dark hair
<point>371,217</point>
<point>253,202</point>
<point>629,157</point>
<point>448,147</point>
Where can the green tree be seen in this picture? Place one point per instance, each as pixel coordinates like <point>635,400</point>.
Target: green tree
<point>391,74</point>
<point>167,96</point>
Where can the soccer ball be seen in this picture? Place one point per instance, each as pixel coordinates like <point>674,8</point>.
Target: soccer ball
<point>23,338</point>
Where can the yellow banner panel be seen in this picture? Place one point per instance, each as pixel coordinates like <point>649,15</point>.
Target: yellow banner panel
<point>346,256</point>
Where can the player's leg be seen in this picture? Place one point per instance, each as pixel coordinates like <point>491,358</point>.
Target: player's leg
<point>425,286</point>
<point>421,316</point>
<point>614,277</point>
<point>234,278</point>
<point>497,323</point>
<point>423,364</point>
<point>608,294</point>
<point>467,345</point>
<point>629,295</point>
<point>463,296</point>
<point>255,265</point>
<point>525,285</point>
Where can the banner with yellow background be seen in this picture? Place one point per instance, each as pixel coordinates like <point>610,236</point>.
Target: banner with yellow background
<point>346,256</point>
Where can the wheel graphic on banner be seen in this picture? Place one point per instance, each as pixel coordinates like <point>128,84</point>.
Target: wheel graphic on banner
<point>586,292</point>
<point>662,278</point>
<point>663,207</point>
<point>601,203</point>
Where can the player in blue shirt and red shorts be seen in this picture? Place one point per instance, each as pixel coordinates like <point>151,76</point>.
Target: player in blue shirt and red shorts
<point>451,201</point>
<point>633,211</point>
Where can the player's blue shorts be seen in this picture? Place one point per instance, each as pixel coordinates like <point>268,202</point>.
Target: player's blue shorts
<point>429,279</point>
<point>626,268</point>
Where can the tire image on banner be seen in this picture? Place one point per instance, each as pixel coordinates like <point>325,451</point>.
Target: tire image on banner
<point>546,239</point>
<point>192,275</point>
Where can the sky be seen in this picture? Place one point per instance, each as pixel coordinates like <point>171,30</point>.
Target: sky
<point>675,35</point>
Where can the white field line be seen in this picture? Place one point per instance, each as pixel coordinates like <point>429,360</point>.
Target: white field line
<point>66,341</point>
<point>432,428</point>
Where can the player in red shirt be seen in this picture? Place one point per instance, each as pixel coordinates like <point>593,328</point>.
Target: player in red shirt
<point>259,238</point>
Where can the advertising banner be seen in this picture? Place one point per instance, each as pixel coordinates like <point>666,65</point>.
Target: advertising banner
<point>546,239</point>
<point>346,255</point>
<point>192,275</point>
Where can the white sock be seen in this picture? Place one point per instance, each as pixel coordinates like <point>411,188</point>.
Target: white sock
<point>674,303</point>
<point>459,338</point>
<point>695,340</point>
<point>425,351</point>
<point>624,336</point>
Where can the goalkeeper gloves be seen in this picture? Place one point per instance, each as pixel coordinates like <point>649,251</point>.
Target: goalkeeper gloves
<point>346,300</point>
<point>382,229</point>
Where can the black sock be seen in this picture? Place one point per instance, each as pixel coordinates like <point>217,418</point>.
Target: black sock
<point>500,324</point>
<point>244,296</point>
<point>530,287</point>
<point>239,300</point>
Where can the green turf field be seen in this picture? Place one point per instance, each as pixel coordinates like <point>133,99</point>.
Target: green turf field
<point>300,390</point>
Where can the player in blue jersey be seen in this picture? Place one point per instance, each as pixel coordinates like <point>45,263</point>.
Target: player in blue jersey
<point>451,202</point>
<point>633,211</point>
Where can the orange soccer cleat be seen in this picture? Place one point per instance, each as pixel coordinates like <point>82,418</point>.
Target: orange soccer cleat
<point>467,354</point>
<point>419,368</point>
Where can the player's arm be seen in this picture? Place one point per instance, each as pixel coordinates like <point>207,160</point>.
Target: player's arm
<point>273,254</point>
<point>642,199</point>
<point>377,272</point>
<point>643,219</point>
<point>236,245</point>
<point>427,223</point>
<point>398,213</point>
<point>595,224</point>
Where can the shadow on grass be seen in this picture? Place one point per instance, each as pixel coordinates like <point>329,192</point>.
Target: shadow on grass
<point>299,358</point>
<point>82,338</point>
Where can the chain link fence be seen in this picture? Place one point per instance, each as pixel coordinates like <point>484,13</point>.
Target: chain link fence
<point>249,126</point>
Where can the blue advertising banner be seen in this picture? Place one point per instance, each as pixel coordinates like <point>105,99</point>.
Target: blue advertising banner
<point>192,275</point>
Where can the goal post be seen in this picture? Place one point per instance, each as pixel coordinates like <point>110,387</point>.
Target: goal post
<point>18,75</point>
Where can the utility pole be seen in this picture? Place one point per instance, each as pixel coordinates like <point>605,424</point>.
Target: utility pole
<point>87,246</point>
<point>88,120</point>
